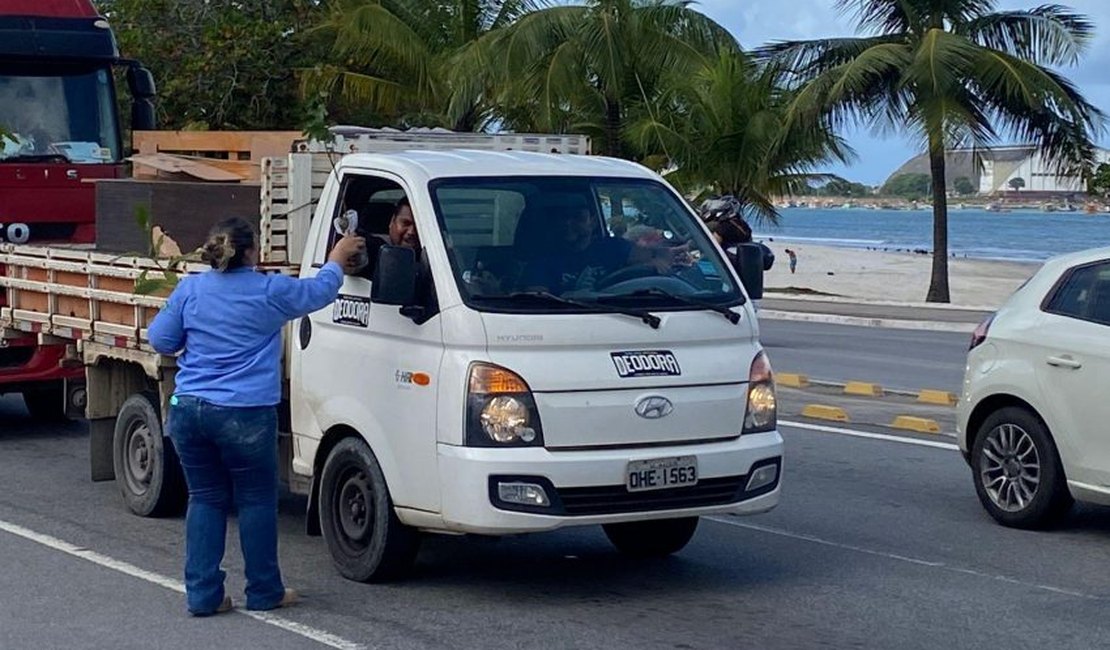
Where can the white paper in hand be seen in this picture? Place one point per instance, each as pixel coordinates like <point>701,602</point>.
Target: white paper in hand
<point>346,224</point>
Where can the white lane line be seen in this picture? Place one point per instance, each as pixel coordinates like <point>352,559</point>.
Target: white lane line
<point>269,618</point>
<point>871,436</point>
<point>903,558</point>
<point>824,542</point>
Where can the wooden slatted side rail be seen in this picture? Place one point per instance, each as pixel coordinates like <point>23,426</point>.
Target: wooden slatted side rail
<point>78,294</point>
<point>291,189</point>
<point>82,294</point>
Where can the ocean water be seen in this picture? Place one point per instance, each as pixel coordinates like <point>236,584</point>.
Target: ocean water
<point>1020,235</point>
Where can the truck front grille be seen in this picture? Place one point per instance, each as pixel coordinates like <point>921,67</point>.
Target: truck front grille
<point>16,357</point>
<point>612,499</point>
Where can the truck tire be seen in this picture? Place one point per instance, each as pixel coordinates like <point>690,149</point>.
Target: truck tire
<point>46,404</point>
<point>656,538</point>
<point>147,471</point>
<point>367,542</point>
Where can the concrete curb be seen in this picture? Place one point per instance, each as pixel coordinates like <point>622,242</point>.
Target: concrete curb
<point>824,412</point>
<point>829,413</point>
<point>841,300</point>
<point>862,321</point>
<point>923,396</point>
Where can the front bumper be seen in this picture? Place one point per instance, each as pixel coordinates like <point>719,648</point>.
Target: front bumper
<point>24,364</point>
<point>586,487</point>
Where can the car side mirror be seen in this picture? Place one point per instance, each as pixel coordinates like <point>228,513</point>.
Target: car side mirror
<point>394,277</point>
<point>141,82</point>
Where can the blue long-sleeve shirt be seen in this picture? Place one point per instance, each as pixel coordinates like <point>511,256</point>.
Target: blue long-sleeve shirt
<point>229,327</point>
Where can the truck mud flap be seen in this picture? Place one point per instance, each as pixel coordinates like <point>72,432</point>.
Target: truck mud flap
<point>101,432</point>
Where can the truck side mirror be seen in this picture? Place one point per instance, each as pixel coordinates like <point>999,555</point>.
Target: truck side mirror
<point>394,277</point>
<point>141,82</point>
<point>142,115</point>
<point>751,269</point>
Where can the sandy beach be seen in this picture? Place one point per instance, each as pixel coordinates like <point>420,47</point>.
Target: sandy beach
<point>901,277</point>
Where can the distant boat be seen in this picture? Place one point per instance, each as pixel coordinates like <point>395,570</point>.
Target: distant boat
<point>996,207</point>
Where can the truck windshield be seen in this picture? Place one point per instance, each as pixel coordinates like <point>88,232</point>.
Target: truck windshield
<point>604,242</point>
<point>57,114</point>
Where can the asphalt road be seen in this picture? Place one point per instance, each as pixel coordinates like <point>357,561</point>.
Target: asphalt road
<point>900,359</point>
<point>877,544</point>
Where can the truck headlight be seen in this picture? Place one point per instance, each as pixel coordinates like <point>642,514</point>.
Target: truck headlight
<point>762,411</point>
<point>501,410</point>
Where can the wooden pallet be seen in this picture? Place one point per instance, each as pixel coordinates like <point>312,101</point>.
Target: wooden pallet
<point>238,152</point>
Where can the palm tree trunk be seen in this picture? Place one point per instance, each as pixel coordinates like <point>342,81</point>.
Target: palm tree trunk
<point>938,284</point>
<point>613,129</point>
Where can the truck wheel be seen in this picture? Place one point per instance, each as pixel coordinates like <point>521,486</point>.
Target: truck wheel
<point>46,404</point>
<point>367,542</point>
<point>656,538</point>
<point>147,470</point>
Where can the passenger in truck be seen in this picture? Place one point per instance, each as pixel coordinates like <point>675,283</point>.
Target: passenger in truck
<point>572,252</point>
<point>401,232</point>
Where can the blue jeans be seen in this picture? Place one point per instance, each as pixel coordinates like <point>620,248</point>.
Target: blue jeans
<point>229,455</point>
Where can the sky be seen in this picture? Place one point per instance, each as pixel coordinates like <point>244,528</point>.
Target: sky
<point>757,22</point>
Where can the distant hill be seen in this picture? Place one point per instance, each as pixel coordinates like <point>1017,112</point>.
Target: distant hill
<point>956,164</point>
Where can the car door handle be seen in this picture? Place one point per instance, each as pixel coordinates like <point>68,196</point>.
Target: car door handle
<point>1064,362</point>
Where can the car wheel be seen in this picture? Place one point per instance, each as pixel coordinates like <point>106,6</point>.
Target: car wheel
<point>655,538</point>
<point>1017,470</point>
<point>367,542</point>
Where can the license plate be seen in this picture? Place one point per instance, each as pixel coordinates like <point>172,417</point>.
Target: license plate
<point>661,473</point>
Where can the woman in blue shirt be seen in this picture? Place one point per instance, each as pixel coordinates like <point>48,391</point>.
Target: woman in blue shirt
<point>222,418</point>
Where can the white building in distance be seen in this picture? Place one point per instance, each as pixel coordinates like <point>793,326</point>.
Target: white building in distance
<point>1001,168</point>
<point>993,170</point>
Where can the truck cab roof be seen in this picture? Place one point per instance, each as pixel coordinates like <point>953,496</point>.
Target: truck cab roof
<point>53,8</point>
<point>55,30</point>
<point>426,165</point>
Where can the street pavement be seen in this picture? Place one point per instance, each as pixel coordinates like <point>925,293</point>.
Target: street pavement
<point>898,359</point>
<point>878,543</point>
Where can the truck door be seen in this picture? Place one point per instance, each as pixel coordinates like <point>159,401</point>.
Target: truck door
<point>365,366</point>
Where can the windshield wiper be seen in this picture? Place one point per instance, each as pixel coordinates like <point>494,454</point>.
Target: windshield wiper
<point>35,157</point>
<point>732,316</point>
<point>647,317</point>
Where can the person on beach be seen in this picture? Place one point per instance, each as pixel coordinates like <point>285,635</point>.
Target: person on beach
<point>222,418</point>
<point>793,260</point>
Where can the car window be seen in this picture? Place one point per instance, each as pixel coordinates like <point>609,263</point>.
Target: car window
<point>1084,294</point>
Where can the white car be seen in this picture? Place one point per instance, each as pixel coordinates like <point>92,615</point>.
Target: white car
<point>1034,420</point>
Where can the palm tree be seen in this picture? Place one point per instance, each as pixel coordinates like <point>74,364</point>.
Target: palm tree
<point>724,130</point>
<point>590,66</point>
<point>955,72</point>
<point>423,59</point>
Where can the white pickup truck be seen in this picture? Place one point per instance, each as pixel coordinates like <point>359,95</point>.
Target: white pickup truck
<point>567,347</point>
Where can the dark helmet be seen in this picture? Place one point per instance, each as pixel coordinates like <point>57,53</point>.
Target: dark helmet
<point>721,208</point>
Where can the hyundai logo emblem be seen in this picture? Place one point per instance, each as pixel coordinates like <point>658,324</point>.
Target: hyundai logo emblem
<point>654,407</point>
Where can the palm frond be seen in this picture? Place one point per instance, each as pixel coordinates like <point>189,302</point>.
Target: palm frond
<point>1035,104</point>
<point>1046,35</point>
<point>806,59</point>
<point>882,16</point>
